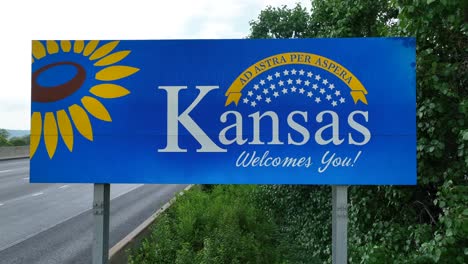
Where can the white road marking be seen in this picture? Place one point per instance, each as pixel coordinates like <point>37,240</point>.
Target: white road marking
<point>129,190</point>
<point>37,194</point>
<point>64,186</point>
<point>27,178</point>
<point>1,204</point>
<point>5,171</point>
<point>64,220</point>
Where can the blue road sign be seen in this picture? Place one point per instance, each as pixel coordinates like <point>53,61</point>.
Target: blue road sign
<point>297,111</point>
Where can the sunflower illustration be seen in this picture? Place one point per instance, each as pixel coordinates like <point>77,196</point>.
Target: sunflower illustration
<point>95,70</point>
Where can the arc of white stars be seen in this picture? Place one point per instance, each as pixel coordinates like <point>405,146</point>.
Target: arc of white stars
<point>256,99</point>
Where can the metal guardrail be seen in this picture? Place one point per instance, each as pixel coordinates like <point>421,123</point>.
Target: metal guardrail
<point>14,152</point>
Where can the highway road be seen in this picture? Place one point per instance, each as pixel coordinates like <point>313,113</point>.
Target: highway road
<point>52,223</point>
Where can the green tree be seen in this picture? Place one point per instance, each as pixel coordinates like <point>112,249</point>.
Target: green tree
<point>281,22</point>
<point>358,18</point>
<point>4,137</point>
<point>19,141</point>
<point>4,133</point>
<point>423,224</point>
<point>328,18</point>
<point>442,97</point>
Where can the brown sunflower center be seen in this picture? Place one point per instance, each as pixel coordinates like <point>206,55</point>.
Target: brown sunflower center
<point>51,94</point>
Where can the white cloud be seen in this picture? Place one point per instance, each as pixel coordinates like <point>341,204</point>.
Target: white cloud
<point>23,21</point>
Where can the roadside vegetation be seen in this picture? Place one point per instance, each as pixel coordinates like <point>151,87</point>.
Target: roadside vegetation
<point>6,141</point>
<point>427,223</point>
<point>218,224</point>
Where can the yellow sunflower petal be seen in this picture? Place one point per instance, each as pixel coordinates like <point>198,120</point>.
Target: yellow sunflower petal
<point>95,108</point>
<point>78,47</point>
<point>50,133</point>
<point>52,47</point>
<point>113,58</point>
<point>36,130</point>
<point>90,47</point>
<point>38,49</point>
<point>113,73</point>
<point>66,45</point>
<point>65,128</point>
<point>104,50</point>
<point>81,120</point>
<point>108,90</point>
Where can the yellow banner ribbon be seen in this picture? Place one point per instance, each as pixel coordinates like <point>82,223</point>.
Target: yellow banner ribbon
<point>234,93</point>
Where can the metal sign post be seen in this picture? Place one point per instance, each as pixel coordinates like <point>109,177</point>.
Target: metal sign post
<point>101,212</point>
<point>339,224</point>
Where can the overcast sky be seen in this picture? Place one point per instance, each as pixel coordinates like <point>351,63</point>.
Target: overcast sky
<point>22,21</point>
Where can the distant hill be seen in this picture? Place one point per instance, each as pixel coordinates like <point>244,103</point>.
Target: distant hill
<point>18,133</point>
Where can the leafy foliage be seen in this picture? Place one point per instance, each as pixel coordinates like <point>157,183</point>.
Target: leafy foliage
<point>19,141</point>
<point>423,224</point>
<point>219,226</point>
<point>4,138</point>
<point>14,141</point>
<point>281,22</point>
<point>304,219</point>
<point>332,18</point>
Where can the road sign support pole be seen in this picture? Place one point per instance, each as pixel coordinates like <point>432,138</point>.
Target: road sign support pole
<point>339,224</point>
<point>101,211</point>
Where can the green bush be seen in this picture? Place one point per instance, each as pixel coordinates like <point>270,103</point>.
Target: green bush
<point>220,226</point>
<point>427,223</point>
<point>303,217</point>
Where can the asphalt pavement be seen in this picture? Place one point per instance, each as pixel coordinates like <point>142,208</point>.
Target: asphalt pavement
<point>52,223</point>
